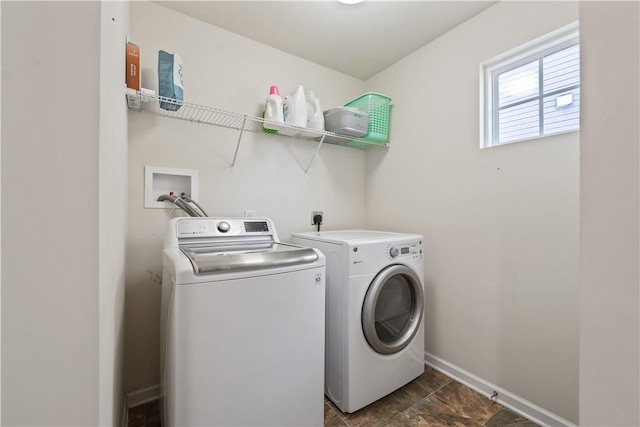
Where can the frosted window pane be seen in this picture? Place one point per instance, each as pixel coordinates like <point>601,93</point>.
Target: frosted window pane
<point>519,122</point>
<point>518,84</point>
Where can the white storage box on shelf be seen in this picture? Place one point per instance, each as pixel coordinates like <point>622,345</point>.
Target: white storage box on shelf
<point>345,121</point>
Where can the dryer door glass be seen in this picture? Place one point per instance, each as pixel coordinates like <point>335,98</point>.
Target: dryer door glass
<point>392,309</point>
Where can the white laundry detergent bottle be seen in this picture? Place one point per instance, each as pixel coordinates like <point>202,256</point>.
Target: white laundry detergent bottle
<point>315,116</point>
<point>286,108</point>
<point>297,111</point>
<point>273,110</point>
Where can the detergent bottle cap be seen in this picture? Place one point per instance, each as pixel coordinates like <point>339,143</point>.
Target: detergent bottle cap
<point>274,90</point>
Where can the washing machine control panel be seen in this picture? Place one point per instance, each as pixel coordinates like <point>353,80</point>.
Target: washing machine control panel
<point>190,228</point>
<point>223,226</point>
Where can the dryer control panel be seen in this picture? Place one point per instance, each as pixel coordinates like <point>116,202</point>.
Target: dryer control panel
<point>409,249</point>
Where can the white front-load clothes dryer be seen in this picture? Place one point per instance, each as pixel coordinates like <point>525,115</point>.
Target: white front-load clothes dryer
<point>374,312</point>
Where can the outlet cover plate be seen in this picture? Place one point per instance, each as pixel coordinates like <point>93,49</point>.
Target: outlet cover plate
<point>314,213</point>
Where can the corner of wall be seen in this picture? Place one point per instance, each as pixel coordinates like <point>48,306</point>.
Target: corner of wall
<point>113,147</point>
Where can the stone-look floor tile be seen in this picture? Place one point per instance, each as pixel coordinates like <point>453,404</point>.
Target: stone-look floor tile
<point>152,414</point>
<point>467,402</point>
<point>333,406</point>
<point>432,380</point>
<point>331,417</point>
<point>406,396</point>
<point>403,421</point>
<point>433,412</point>
<point>507,418</point>
<point>375,414</point>
<point>137,417</point>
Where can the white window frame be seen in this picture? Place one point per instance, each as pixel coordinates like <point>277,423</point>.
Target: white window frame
<point>489,70</point>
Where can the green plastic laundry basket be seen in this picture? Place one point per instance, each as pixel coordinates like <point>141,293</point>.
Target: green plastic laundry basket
<point>377,106</point>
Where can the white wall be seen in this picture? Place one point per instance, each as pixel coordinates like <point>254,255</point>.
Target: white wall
<point>112,189</point>
<point>50,213</point>
<point>609,211</point>
<point>63,231</point>
<point>500,224</point>
<point>229,72</point>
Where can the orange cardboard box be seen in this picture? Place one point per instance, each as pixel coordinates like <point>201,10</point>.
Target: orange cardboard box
<point>133,66</point>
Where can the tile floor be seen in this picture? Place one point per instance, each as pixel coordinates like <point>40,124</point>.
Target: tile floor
<point>433,399</point>
<point>147,415</point>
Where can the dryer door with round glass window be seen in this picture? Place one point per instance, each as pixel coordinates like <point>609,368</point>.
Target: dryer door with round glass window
<point>392,309</point>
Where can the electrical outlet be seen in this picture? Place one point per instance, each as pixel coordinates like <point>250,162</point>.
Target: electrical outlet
<point>313,214</point>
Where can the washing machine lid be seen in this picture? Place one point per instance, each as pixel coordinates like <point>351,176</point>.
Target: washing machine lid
<point>230,256</point>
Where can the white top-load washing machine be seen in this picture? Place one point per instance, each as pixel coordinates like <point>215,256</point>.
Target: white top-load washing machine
<point>375,298</point>
<point>242,326</point>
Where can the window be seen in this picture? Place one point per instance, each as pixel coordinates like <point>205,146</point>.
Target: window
<point>532,91</point>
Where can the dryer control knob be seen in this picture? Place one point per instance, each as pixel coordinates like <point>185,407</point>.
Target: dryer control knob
<point>394,252</point>
<point>223,227</point>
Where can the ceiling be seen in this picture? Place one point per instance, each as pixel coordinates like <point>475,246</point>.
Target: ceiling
<point>359,40</point>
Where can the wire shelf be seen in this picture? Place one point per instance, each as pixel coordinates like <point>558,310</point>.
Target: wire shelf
<point>195,113</point>
<point>181,110</point>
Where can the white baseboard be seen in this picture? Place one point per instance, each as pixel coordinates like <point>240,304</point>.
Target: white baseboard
<point>509,400</point>
<point>146,395</point>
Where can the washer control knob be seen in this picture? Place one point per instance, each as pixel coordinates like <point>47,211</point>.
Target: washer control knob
<point>394,252</point>
<point>223,227</point>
